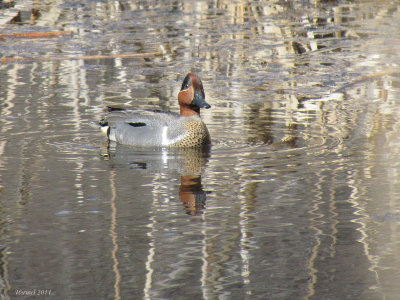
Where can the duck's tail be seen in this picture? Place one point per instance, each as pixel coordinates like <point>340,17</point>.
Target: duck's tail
<point>105,128</point>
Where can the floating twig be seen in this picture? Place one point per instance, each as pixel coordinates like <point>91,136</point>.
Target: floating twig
<point>35,35</point>
<point>28,59</point>
<point>362,79</point>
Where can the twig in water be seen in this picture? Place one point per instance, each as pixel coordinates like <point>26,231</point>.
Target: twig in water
<point>27,59</point>
<point>35,35</point>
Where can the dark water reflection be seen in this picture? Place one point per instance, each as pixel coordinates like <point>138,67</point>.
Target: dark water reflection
<point>297,198</point>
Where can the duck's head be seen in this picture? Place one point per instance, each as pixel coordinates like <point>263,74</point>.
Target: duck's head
<point>191,96</point>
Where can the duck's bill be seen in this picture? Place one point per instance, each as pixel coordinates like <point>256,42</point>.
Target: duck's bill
<point>199,101</point>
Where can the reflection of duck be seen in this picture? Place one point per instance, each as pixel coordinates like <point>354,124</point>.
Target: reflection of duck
<point>163,129</point>
<point>189,162</point>
<point>192,195</point>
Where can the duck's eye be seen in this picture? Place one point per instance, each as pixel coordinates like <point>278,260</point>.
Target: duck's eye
<point>186,84</point>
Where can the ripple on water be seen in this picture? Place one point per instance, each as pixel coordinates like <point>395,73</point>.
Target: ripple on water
<point>70,145</point>
<point>312,139</point>
<point>259,139</point>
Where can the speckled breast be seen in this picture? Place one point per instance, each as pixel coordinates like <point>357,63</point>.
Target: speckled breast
<point>196,135</point>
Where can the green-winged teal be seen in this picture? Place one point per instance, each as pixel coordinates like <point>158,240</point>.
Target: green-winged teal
<point>143,128</point>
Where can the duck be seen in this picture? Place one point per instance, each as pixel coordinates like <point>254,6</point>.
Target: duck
<point>144,128</point>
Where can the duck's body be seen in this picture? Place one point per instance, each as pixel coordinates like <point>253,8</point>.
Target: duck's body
<point>143,128</point>
<point>155,129</point>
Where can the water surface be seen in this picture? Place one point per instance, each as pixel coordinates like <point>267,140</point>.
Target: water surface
<point>298,197</point>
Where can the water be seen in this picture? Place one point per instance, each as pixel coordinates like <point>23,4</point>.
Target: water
<point>298,197</point>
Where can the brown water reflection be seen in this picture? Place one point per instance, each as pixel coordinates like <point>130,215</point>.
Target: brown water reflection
<point>297,198</point>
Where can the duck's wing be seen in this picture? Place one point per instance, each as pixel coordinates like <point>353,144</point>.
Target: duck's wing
<point>139,127</point>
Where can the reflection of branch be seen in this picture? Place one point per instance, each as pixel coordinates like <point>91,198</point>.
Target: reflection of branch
<point>23,59</point>
<point>114,236</point>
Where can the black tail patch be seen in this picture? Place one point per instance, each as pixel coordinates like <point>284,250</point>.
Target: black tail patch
<point>103,122</point>
<point>114,108</point>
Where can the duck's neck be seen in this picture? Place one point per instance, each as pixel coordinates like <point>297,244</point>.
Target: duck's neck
<point>189,111</point>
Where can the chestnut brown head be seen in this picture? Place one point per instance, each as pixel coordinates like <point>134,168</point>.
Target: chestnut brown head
<point>191,96</point>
